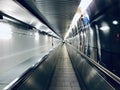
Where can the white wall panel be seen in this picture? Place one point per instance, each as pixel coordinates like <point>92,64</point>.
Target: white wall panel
<point>21,46</point>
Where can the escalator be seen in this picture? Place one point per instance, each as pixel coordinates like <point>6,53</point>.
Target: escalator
<point>64,77</point>
<point>62,69</point>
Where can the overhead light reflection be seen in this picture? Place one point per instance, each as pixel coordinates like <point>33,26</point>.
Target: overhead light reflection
<point>67,34</point>
<point>91,75</point>
<point>38,25</point>
<point>9,19</point>
<point>84,4</point>
<point>9,85</point>
<point>84,34</point>
<point>46,37</point>
<point>104,28</point>
<point>36,36</point>
<point>115,22</point>
<point>81,34</point>
<point>30,33</point>
<point>91,32</point>
<point>81,10</point>
<point>5,31</point>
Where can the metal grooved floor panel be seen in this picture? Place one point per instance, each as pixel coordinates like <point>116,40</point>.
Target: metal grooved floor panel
<point>64,77</point>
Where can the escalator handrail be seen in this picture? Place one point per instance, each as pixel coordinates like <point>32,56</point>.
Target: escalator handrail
<point>100,67</point>
<point>103,69</point>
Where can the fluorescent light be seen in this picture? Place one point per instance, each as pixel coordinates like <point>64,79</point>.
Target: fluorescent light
<point>115,22</point>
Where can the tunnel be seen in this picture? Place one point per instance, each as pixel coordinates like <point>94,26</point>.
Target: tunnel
<point>59,44</point>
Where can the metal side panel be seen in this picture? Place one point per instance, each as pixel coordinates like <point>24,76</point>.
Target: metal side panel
<point>39,78</point>
<point>89,75</point>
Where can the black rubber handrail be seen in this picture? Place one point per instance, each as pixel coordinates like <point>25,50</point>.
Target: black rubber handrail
<point>100,67</point>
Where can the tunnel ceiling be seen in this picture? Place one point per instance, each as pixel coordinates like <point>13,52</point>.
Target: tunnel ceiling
<point>56,14</point>
<point>59,13</point>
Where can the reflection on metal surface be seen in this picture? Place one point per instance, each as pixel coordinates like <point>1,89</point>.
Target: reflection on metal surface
<point>105,27</point>
<point>87,72</point>
<point>5,31</point>
<point>46,37</point>
<point>91,75</point>
<point>81,34</point>
<point>103,69</point>
<point>6,88</point>
<point>115,22</point>
<point>91,32</point>
<point>38,25</point>
<point>31,82</point>
<point>80,11</point>
<point>83,5</point>
<point>36,36</point>
<point>13,9</point>
<point>6,18</point>
<point>84,34</point>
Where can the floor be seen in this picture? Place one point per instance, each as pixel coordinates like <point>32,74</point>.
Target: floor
<point>64,77</point>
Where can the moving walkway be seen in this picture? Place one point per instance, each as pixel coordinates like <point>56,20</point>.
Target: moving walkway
<point>60,70</point>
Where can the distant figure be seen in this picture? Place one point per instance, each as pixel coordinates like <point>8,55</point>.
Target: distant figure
<point>85,20</point>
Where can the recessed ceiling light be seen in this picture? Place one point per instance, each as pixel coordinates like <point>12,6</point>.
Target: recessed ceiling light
<point>115,22</point>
